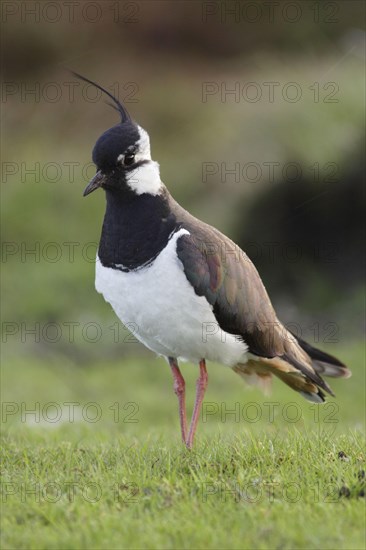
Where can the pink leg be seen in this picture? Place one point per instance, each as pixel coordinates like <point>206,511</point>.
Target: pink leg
<point>180,391</point>
<point>200,393</point>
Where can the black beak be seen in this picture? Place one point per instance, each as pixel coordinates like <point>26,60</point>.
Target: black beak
<point>94,183</point>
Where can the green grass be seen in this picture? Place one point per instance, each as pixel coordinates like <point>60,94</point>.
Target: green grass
<point>293,479</point>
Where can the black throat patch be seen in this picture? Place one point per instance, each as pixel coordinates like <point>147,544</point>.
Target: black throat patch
<point>136,229</point>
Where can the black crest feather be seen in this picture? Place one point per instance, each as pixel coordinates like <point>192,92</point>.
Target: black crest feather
<point>116,103</point>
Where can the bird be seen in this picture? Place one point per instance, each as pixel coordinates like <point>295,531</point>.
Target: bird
<point>191,292</point>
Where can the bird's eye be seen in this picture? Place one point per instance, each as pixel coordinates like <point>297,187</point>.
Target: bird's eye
<point>129,159</point>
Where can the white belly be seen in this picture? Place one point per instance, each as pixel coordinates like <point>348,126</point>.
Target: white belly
<point>167,315</point>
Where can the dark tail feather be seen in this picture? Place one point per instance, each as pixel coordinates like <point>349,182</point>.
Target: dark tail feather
<point>323,363</point>
<point>301,368</point>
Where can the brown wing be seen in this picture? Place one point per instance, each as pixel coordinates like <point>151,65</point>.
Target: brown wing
<point>219,270</point>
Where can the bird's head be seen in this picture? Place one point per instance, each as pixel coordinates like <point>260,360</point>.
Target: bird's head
<point>122,156</point>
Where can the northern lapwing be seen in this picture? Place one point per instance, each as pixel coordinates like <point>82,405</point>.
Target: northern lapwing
<point>190,291</point>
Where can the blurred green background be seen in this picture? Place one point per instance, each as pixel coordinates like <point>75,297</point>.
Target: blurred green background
<point>274,93</point>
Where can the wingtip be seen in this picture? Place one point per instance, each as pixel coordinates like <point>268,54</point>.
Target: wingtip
<point>318,398</point>
<point>345,373</point>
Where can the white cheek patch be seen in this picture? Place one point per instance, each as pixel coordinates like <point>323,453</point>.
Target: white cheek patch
<point>145,179</point>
